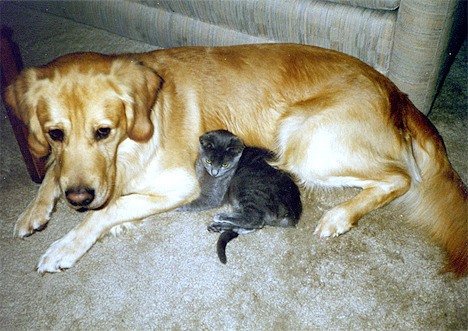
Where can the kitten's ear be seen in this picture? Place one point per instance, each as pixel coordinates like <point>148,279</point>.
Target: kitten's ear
<point>236,149</point>
<point>237,142</point>
<point>236,145</point>
<point>205,143</point>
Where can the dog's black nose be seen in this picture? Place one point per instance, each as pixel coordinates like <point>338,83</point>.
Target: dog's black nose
<point>80,197</point>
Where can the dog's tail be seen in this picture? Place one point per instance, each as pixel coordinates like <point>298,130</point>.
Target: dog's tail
<point>437,200</point>
<point>224,238</point>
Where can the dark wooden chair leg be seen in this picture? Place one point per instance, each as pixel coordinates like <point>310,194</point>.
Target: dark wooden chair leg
<point>11,65</point>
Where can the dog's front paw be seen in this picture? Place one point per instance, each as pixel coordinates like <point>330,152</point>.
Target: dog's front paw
<point>34,218</point>
<point>61,255</point>
<point>332,224</point>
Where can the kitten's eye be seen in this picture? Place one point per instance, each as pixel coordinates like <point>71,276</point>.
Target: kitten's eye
<point>208,161</point>
<point>56,134</point>
<point>102,133</point>
<point>224,165</point>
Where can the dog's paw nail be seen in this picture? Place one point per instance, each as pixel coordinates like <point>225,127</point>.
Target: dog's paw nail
<point>323,233</point>
<point>40,227</point>
<point>22,234</point>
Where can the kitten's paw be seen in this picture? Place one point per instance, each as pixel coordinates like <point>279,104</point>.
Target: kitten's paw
<point>215,227</point>
<point>219,217</point>
<point>220,226</point>
<point>227,226</point>
<point>224,218</point>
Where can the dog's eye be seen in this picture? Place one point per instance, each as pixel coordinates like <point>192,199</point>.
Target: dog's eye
<point>102,133</point>
<point>56,134</point>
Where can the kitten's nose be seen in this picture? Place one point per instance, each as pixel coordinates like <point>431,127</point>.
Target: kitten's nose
<point>214,172</point>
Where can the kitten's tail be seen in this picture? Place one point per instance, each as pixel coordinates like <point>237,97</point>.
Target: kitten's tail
<point>223,240</point>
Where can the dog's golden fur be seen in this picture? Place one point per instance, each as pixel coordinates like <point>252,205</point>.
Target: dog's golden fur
<point>122,135</point>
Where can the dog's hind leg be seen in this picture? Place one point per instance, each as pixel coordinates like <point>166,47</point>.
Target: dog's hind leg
<point>342,147</point>
<point>375,194</point>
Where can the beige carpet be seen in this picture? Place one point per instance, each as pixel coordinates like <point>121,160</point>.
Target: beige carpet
<point>165,275</point>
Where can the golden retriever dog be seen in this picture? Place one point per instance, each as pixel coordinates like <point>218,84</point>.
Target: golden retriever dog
<point>122,132</point>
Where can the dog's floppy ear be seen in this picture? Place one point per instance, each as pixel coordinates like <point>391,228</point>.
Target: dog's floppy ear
<point>21,98</point>
<point>140,89</point>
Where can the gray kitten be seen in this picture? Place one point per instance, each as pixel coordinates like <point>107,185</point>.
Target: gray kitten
<point>229,172</point>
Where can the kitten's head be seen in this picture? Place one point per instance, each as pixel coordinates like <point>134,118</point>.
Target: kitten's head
<point>220,152</point>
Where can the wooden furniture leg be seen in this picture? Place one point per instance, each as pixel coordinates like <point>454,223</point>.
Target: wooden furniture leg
<point>11,65</point>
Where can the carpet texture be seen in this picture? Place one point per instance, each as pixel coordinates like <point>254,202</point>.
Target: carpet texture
<point>165,275</point>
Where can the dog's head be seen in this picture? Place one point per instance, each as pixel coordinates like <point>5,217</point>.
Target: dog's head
<point>79,108</point>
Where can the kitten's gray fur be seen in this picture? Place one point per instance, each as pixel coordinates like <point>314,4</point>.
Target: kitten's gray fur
<point>229,172</point>
<point>213,177</point>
